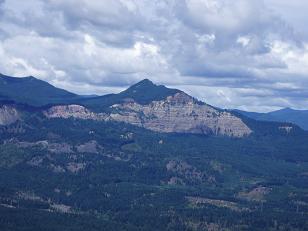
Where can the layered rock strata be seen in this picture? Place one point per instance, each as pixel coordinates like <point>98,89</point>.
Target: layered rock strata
<point>179,113</point>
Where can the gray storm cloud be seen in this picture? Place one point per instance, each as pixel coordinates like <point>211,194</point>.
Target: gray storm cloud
<point>234,54</point>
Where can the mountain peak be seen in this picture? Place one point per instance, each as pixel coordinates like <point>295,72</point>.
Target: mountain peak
<point>144,82</point>
<point>142,85</point>
<point>286,109</point>
<point>18,80</point>
<point>146,91</point>
<point>32,91</point>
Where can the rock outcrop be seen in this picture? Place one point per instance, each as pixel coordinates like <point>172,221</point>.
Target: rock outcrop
<point>89,147</point>
<point>179,113</point>
<point>8,115</point>
<point>73,111</point>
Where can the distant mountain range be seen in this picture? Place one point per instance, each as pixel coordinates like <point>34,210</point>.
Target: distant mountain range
<point>298,117</point>
<point>144,104</point>
<point>35,92</point>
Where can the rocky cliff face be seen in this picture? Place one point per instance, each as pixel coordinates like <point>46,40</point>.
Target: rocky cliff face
<point>179,113</point>
<point>73,111</point>
<point>8,115</point>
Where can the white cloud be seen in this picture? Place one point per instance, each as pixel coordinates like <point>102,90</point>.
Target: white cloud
<point>231,49</point>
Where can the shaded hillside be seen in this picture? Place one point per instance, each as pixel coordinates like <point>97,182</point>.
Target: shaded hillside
<point>32,91</point>
<point>299,117</point>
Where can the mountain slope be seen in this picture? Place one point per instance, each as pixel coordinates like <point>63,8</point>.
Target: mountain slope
<point>142,92</point>
<point>85,174</point>
<point>298,117</point>
<point>32,91</point>
<point>120,166</point>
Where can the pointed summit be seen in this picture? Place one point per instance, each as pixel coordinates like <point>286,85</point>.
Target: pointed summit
<point>143,92</point>
<point>144,83</point>
<point>146,91</point>
<point>141,85</point>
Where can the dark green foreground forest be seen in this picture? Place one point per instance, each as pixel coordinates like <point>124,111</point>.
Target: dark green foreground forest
<point>133,179</point>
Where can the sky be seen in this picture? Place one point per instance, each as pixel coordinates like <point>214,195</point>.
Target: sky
<point>245,54</point>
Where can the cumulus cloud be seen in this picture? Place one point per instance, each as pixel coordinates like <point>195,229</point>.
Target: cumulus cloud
<point>228,53</point>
